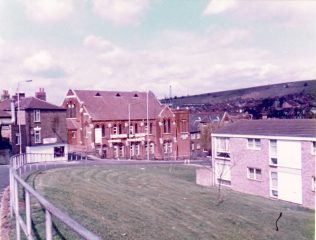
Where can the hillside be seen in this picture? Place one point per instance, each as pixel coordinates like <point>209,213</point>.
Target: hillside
<point>284,100</point>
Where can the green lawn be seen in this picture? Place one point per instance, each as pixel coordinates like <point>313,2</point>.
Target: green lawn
<point>163,202</point>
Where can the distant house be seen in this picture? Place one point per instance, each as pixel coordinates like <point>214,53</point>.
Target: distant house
<point>43,128</point>
<point>117,124</point>
<point>202,124</point>
<point>271,158</point>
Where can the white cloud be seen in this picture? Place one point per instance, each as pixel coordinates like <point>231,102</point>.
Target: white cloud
<point>282,12</point>
<point>120,12</point>
<point>44,64</point>
<point>49,10</point>
<point>219,6</point>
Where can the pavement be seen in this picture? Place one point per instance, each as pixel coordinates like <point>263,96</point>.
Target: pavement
<point>4,177</point>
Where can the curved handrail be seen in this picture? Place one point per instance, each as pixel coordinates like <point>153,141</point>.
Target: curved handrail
<point>16,164</point>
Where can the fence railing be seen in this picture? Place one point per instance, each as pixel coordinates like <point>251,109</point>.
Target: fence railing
<point>19,166</point>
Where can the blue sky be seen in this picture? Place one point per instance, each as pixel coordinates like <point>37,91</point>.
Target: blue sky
<point>196,46</point>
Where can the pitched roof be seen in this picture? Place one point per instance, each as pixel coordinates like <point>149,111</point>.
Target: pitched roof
<point>272,127</point>
<point>111,105</point>
<point>30,103</point>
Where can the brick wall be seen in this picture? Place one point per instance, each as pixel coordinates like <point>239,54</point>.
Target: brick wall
<point>242,158</point>
<point>52,124</point>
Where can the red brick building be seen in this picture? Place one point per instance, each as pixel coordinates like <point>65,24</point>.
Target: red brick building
<point>115,124</point>
<point>43,127</point>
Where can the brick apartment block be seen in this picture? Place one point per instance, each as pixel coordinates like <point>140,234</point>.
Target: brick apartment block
<point>273,158</point>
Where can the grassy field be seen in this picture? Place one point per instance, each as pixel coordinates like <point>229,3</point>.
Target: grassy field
<point>162,202</point>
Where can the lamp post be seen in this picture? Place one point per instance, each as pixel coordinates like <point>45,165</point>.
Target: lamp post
<point>18,114</point>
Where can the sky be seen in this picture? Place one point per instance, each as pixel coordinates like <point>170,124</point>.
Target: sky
<point>194,46</point>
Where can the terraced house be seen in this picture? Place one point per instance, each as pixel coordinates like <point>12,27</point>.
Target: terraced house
<point>126,125</point>
<point>39,127</point>
<point>273,158</point>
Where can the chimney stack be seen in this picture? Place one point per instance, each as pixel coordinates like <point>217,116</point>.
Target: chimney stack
<point>41,94</point>
<point>5,95</point>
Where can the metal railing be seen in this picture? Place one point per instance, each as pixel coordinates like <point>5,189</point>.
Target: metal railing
<point>19,166</point>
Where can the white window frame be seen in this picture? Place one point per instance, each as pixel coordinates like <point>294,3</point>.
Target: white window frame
<point>271,154</point>
<point>274,188</point>
<point>73,134</point>
<point>252,143</point>
<point>37,115</point>
<point>132,153</point>
<point>192,146</point>
<point>198,135</point>
<point>255,177</point>
<point>37,135</point>
<point>219,149</point>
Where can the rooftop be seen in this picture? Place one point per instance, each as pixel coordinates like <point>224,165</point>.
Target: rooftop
<point>112,105</point>
<point>272,127</point>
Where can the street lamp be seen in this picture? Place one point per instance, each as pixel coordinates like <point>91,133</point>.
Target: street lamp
<point>19,122</point>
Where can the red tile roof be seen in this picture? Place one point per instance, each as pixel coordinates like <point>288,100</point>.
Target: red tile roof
<point>111,105</point>
<point>272,127</point>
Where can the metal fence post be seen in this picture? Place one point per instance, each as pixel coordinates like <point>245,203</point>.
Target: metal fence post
<point>28,213</point>
<point>48,218</point>
<point>17,215</point>
<point>11,193</point>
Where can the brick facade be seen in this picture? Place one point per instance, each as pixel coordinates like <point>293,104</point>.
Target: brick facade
<point>111,136</point>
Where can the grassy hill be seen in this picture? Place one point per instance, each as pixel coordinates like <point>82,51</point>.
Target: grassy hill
<point>260,92</point>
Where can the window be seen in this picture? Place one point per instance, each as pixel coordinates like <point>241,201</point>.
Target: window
<point>37,115</point>
<point>136,128</point>
<point>313,148</point>
<point>274,184</point>
<point>222,147</point>
<point>71,110</point>
<point>59,151</point>
<point>103,131</point>
<point>254,143</point>
<point>167,146</point>
<point>137,149</point>
<point>198,146</point>
<point>121,151</point>
<point>150,128</point>
<point>254,174</point>
<point>73,134</point>
<point>193,136</point>
<point>166,126</point>
<point>274,161</point>
<point>192,146</point>
<point>131,129</point>
<point>223,173</point>
<point>184,126</point>
<point>131,150</point>
<point>120,128</point>
<point>198,136</point>
<point>313,183</point>
<point>17,138</point>
<point>273,148</point>
<point>114,129</point>
<point>152,148</point>
<point>37,136</point>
